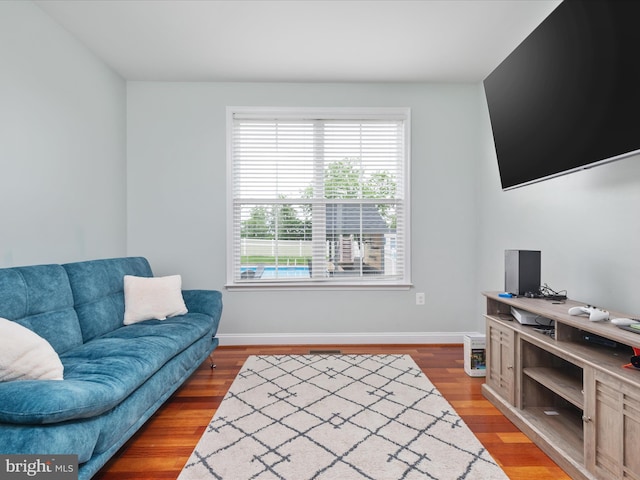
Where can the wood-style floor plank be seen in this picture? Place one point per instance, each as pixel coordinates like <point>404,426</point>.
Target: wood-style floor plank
<point>162,447</point>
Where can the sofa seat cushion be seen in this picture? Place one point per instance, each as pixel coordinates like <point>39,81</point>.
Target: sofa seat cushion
<point>70,438</point>
<point>103,372</point>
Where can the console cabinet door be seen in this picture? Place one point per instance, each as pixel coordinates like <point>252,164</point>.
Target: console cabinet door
<point>501,359</point>
<point>612,427</point>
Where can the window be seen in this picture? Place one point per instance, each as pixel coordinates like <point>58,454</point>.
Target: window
<point>318,197</point>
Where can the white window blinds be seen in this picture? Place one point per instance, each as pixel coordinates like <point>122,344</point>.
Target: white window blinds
<point>318,198</point>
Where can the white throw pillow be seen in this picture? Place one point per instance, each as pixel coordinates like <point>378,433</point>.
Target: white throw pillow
<point>24,355</point>
<point>147,298</point>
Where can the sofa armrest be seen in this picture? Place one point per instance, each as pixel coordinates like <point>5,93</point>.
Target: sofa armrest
<point>208,302</point>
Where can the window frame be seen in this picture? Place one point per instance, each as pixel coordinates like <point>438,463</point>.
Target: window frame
<point>337,113</point>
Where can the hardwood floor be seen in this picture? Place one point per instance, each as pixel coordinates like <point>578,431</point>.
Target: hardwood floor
<point>161,448</point>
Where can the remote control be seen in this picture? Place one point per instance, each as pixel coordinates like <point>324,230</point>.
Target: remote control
<point>595,314</point>
<point>624,321</point>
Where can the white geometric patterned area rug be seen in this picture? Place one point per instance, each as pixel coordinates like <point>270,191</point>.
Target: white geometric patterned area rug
<point>337,417</point>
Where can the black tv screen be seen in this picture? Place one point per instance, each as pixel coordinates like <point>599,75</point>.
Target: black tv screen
<point>568,97</point>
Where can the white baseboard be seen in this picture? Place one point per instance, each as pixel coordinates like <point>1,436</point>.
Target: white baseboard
<point>365,338</point>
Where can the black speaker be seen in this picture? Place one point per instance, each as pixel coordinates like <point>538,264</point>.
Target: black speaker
<point>522,271</point>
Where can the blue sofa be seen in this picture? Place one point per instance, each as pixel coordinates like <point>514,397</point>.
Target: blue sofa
<point>115,376</point>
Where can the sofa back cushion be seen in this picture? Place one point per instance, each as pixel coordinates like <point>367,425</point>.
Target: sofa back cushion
<point>39,297</point>
<point>98,291</point>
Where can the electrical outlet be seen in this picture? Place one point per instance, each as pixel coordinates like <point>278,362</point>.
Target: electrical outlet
<point>419,298</point>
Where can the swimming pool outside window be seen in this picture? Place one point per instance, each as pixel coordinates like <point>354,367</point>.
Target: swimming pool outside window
<point>318,197</point>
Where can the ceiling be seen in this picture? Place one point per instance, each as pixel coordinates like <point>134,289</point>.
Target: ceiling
<point>301,40</point>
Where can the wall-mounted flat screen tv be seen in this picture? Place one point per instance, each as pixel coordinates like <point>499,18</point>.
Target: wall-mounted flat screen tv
<point>568,97</point>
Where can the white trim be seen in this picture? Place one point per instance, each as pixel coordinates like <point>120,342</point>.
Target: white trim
<point>319,113</point>
<point>338,286</point>
<point>229,219</point>
<point>364,338</point>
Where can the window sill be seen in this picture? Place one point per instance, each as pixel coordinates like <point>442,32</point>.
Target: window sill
<point>318,286</point>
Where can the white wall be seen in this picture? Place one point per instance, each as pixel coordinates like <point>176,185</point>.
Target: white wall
<point>64,187</point>
<point>62,145</point>
<point>587,225</point>
<point>177,204</point>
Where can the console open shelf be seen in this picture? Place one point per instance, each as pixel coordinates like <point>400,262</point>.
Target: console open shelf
<point>568,394</point>
<point>557,381</point>
<point>566,420</point>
